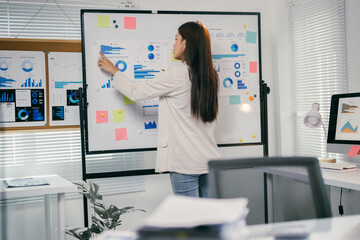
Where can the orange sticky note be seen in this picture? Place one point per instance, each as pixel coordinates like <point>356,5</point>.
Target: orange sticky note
<point>354,151</point>
<point>121,134</point>
<point>102,116</point>
<point>253,67</point>
<point>130,22</point>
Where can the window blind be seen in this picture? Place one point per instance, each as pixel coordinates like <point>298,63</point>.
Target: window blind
<point>46,19</point>
<point>319,67</point>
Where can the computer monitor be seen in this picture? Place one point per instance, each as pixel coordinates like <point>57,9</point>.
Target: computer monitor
<point>344,122</point>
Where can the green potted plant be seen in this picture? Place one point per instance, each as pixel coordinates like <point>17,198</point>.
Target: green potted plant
<point>105,218</point>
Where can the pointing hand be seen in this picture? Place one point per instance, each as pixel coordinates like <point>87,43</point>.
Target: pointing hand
<point>105,64</point>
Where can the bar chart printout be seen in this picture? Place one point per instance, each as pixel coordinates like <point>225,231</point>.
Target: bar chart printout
<point>142,72</point>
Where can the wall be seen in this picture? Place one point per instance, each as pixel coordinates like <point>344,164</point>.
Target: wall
<point>158,186</point>
<point>276,61</point>
<point>276,73</point>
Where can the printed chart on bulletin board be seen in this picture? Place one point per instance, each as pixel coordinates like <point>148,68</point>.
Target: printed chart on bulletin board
<point>140,44</point>
<point>22,89</point>
<point>65,78</point>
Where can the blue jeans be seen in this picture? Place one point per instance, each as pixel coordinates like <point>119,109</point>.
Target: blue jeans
<point>192,185</point>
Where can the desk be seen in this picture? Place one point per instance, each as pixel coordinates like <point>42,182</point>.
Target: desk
<point>57,185</point>
<point>350,180</point>
<point>336,228</point>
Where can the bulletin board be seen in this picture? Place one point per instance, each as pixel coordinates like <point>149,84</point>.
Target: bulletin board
<point>38,78</point>
<point>140,44</point>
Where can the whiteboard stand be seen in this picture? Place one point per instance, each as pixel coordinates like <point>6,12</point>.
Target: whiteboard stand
<point>264,91</point>
<point>83,152</point>
<point>85,175</point>
<point>141,26</point>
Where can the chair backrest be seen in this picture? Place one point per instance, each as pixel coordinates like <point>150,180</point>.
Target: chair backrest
<point>321,201</point>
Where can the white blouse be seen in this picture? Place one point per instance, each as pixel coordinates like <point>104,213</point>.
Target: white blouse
<point>185,144</point>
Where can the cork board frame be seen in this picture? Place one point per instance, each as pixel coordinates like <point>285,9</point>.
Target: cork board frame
<point>45,45</point>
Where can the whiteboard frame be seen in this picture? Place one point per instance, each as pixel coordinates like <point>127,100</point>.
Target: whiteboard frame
<point>84,115</point>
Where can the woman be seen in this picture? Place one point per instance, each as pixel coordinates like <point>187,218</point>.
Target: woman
<point>188,106</point>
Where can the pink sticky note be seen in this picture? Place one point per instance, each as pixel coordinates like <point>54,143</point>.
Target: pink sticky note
<point>354,151</point>
<point>253,67</point>
<point>102,116</point>
<point>130,22</point>
<point>121,134</point>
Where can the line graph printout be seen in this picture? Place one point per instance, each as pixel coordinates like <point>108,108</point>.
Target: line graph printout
<point>65,78</point>
<point>348,119</point>
<point>22,89</point>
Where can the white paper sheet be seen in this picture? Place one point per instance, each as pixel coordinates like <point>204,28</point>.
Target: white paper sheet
<point>180,211</point>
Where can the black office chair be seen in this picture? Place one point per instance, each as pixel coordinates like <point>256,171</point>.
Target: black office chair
<point>217,169</point>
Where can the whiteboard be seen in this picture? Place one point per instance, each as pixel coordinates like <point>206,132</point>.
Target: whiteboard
<point>142,41</point>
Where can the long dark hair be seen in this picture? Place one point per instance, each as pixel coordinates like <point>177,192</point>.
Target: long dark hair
<point>204,79</point>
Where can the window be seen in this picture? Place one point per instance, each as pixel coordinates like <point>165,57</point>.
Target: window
<point>319,66</point>
<point>30,153</point>
<point>49,153</point>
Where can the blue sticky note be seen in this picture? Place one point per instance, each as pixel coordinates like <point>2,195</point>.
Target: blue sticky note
<point>250,37</point>
<point>233,100</point>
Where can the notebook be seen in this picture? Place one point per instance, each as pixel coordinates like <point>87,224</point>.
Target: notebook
<point>25,182</point>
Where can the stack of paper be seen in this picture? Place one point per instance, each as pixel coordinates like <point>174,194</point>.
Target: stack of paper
<point>338,167</point>
<point>194,218</point>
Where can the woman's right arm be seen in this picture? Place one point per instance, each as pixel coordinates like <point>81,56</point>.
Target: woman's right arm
<point>163,84</point>
<point>105,64</point>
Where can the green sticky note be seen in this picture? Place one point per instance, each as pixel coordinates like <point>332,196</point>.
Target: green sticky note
<point>250,37</point>
<point>234,100</point>
<point>118,115</point>
<point>127,100</point>
<point>103,21</point>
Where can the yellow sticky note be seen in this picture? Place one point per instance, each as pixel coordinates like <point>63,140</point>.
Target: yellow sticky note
<point>118,115</point>
<point>172,56</point>
<point>127,100</point>
<point>103,21</point>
